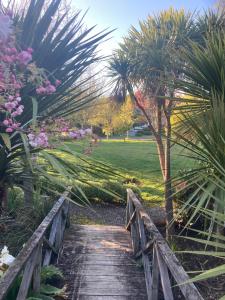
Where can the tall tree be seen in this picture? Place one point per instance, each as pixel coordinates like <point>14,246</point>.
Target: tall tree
<point>143,62</point>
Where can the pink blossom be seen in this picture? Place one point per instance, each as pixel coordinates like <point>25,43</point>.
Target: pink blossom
<point>30,50</point>
<point>10,98</point>
<point>41,90</point>
<point>58,82</point>
<point>10,106</point>
<point>9,130</point>
<point>24,57</point>
<point>50,89</point>
<point>88,131</point>
<point>39,140</point>
<point>6,122</point>
<point>73,134</point>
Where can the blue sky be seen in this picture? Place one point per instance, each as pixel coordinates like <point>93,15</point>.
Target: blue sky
<point>121,14</point>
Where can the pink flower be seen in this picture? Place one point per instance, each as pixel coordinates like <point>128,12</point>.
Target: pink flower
<point>5,27</point>
<point>39,140</point>
<point>10,106</point>
<point>30,50</point>
<point>9,130</point>
<point>58,82</point>
<point>16,125</point>
<point>88,131</point>
<point>41,90</point>
<point>24,57</point>
<point>50,89</point>
<point>73,134</point>
<point>10,98</point>
<point>6,122</point>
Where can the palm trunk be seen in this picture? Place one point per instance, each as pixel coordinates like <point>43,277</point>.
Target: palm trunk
<point>164,154</point>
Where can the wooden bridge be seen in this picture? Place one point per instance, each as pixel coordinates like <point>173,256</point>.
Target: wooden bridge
<point>102,262</point>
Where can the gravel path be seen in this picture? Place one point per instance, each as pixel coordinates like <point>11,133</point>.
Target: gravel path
<point>109,214</point>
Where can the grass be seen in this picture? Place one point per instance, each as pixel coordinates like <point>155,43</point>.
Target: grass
<point>137,159</point>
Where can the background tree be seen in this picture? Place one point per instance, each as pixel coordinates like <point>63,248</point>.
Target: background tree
<point>124,119</point>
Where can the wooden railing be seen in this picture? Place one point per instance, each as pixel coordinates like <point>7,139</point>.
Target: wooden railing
<point>39,251</point>
<point>163,272</point>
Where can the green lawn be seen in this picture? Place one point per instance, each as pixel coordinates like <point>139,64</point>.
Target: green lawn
<point>138,159</point>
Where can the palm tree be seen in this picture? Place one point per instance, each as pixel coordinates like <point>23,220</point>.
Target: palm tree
<point>204,117</point>
<point>145,60</point>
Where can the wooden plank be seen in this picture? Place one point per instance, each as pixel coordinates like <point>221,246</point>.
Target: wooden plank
<point>164,276</point>
<point>130,297</point>
<point>145,259</point>
<point>37,270</point>
<point>27,275</point>
<point>103,267</point>
<point>188,290</point>
<point>18,264</point>
<point>155,275</point>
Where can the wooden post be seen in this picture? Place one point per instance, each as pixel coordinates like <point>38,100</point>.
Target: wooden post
<point>52,236</point>
<point>134,230</point>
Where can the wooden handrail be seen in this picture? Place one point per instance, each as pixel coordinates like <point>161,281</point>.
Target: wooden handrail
<point>32,256</point>
<point>159,262</point>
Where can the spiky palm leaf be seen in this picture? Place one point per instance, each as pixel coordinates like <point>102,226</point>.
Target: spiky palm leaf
<point>64,49</point>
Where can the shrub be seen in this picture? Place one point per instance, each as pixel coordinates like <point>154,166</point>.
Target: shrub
<point>15,199</point>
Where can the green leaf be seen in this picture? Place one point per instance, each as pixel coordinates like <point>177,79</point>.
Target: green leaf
<point>6,140</point>
<point>50,290</point>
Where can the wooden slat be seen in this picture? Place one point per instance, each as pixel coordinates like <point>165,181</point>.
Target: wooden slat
<point>98,266</point>
<point>37,270</point>
<point>155,275</point>
<point>145,259</point>
<point>164,276</point>
<point>27,276</point>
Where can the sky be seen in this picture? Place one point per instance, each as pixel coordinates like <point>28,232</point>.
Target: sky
<point>121,14</point>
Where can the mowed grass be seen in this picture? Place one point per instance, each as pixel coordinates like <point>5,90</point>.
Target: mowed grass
<point>138,159</point>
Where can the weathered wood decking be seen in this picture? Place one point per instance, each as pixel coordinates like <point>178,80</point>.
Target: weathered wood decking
<point>97,264</point>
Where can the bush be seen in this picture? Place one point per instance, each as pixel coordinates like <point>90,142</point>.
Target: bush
<point>15,199</point>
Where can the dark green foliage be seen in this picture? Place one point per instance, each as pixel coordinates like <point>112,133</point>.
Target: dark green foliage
<point>50,274</point>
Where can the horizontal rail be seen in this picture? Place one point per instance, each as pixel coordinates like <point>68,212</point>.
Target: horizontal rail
<point>160,263</point>
<point>32,256</point>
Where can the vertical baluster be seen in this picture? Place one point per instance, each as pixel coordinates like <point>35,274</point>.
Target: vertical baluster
<point>145,259</point>
<point>164,276</point>
<point>155,275</point>
<point>134,230</point>
<point>27,276</point>
<point>37,270</point>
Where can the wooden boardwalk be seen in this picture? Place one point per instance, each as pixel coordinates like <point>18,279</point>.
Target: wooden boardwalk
<point>97,264</point>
